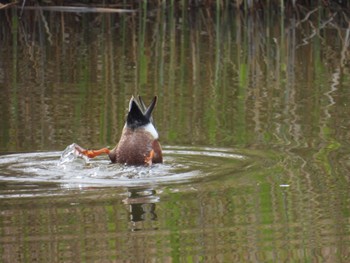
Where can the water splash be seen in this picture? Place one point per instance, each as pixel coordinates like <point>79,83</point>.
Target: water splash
<point>70,154</point>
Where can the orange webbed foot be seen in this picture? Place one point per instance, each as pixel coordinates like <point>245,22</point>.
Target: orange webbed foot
<point>148,159</point>
<point>91,153</point>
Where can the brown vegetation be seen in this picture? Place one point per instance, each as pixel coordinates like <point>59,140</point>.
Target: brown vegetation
<point>244,5</point>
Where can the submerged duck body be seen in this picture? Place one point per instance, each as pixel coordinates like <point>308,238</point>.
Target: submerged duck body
<point>138,144</point>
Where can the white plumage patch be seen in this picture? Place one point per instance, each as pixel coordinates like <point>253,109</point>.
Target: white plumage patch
<point>150,128</point>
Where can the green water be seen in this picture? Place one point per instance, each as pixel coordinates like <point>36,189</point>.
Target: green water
<point>252,113</point>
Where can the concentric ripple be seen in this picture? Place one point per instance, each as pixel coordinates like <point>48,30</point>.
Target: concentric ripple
<point>45,170</point>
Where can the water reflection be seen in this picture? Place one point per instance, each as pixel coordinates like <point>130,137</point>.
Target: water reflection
<point>267,96</point>
<point>142,208</point>
<point>246,214</point>
<point>243,93</point>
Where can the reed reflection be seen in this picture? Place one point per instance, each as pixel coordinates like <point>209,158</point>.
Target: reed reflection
<point>221,79</point>
<point>251,81</point>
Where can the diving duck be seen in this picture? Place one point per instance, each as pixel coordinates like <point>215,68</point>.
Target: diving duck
<point>138,144</point>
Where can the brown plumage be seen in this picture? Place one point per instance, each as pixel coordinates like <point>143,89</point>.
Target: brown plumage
<point>135,147</point>
<point>138,144</point>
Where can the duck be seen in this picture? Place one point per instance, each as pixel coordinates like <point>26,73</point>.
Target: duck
<point>139,141</point>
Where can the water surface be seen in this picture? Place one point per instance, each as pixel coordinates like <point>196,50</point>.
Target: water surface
<point>252,113</point>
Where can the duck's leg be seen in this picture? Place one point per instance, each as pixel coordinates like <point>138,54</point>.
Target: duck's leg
<point>149,158</point>
<point>91,153</point>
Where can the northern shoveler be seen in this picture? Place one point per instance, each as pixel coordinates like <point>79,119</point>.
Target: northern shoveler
<point>138,144</point>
